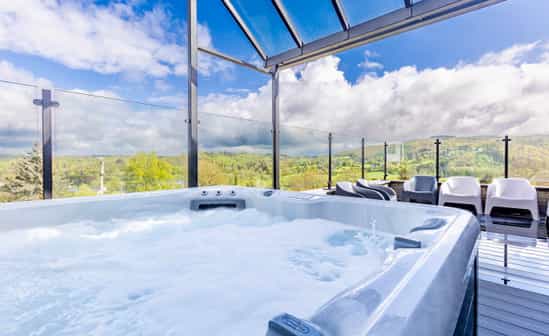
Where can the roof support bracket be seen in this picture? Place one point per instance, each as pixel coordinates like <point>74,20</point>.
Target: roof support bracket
<point>234,60</point>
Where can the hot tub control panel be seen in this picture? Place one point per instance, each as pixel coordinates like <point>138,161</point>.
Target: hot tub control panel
<point>217,198</point>
<point>218,193</point>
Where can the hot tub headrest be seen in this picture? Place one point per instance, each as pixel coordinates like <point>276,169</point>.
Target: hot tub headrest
<point>289,325</point>
<point>401,242</point>
<point>430,224</point>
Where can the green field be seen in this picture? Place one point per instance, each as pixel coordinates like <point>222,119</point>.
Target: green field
<point>81,176</point>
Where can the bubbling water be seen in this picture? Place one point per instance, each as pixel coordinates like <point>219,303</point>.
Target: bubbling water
<point>210,273</point>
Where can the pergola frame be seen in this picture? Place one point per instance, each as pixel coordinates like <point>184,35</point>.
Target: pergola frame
<point>411,16</point>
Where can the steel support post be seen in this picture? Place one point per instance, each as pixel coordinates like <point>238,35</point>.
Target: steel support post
<point>192,92</point>
<point>506,141</point>
<point>330,137</point>
<point>437,158</point>
<point>276,127</point>
<point>385,175</point>
<point>46,104</point>
<point>363,157</point>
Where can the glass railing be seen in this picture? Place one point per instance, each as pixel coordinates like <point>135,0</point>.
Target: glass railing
<point>234,151</point>
<point>374,161</point>
<point>20,143</point>
<point>347,158</point>
<point>482,157</point>
<point>106,145</point>
<point>418,158</point>
<point>529,158</point>
<point>103,145</point>
<point>303,158</point>
<point>396,165</point>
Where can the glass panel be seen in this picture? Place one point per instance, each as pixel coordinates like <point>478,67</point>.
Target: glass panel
<point>265,24</point>
<point>418,158</point>
<point>374,154</point>
<point>481,157</point>
<point>108,146</point>
<point>313,18</point>
<point>20,143</point>
<point>359,11</point>
<point>346,160</point>
<point>303,158</point>
<point>397,167</point>
<point>528,158</point>
<point>234,151</point>
<point>222,27</point>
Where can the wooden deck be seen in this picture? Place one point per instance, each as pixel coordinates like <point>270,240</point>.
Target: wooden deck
<point>504,310</point>
<point>521,307</point>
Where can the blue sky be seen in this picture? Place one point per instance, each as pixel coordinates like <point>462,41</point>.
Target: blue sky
<point>481,73</point>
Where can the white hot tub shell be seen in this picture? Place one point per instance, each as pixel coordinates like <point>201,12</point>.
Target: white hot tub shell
<point>426,289</point>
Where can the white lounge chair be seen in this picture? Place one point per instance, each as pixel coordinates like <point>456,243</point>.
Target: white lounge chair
<point>461,190</point>
<point>512,193</point>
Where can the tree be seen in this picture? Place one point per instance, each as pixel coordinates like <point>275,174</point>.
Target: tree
<point>403,170</point>
<point>26,183</point>
<point>146,172</point>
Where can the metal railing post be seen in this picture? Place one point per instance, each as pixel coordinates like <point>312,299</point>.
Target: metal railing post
<point>437,158</point>
<point>363,157</point>
<point>47,146</point>
<point>330,160</point>
<point>506,141</point>
<point>192,92</point>
<point>276,127</point>
<point>385,175</point>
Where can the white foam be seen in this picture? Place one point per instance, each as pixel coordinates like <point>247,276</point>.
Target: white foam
<point>212,273</point>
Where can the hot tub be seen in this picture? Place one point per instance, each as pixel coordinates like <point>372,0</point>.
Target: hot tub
<point>235,261</point>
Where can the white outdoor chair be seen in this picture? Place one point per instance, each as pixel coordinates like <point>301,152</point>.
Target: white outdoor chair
<point>512,193</point>
<point>462,190</point>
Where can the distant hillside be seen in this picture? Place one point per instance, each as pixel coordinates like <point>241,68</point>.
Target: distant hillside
<point>482,157</point>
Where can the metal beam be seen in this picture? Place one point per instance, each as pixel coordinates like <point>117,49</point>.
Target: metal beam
<point>276,127</point>
<point>192,92</point>
<point>240,22</point>
<point>279,6</point>
<point>341,14</point>
<point>232,59</point>
<point>405,19</point>
<point>407,3</point>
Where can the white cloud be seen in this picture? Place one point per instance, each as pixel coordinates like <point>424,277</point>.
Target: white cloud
<point>545,55</point>
<point>178,100</point>
<point>504,92</point>
<point>512,56</point>
<point>86,123</point>
<point>162,85</point>
<point>479,98</point>
<point>105,39</point>
<point>20,119</point>
<point>368,64</point>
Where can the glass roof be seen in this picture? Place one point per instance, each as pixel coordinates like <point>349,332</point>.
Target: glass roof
<point>359,11</point>
<point>277,27</point>
<point>265,24</point>
<point>313,19</point>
